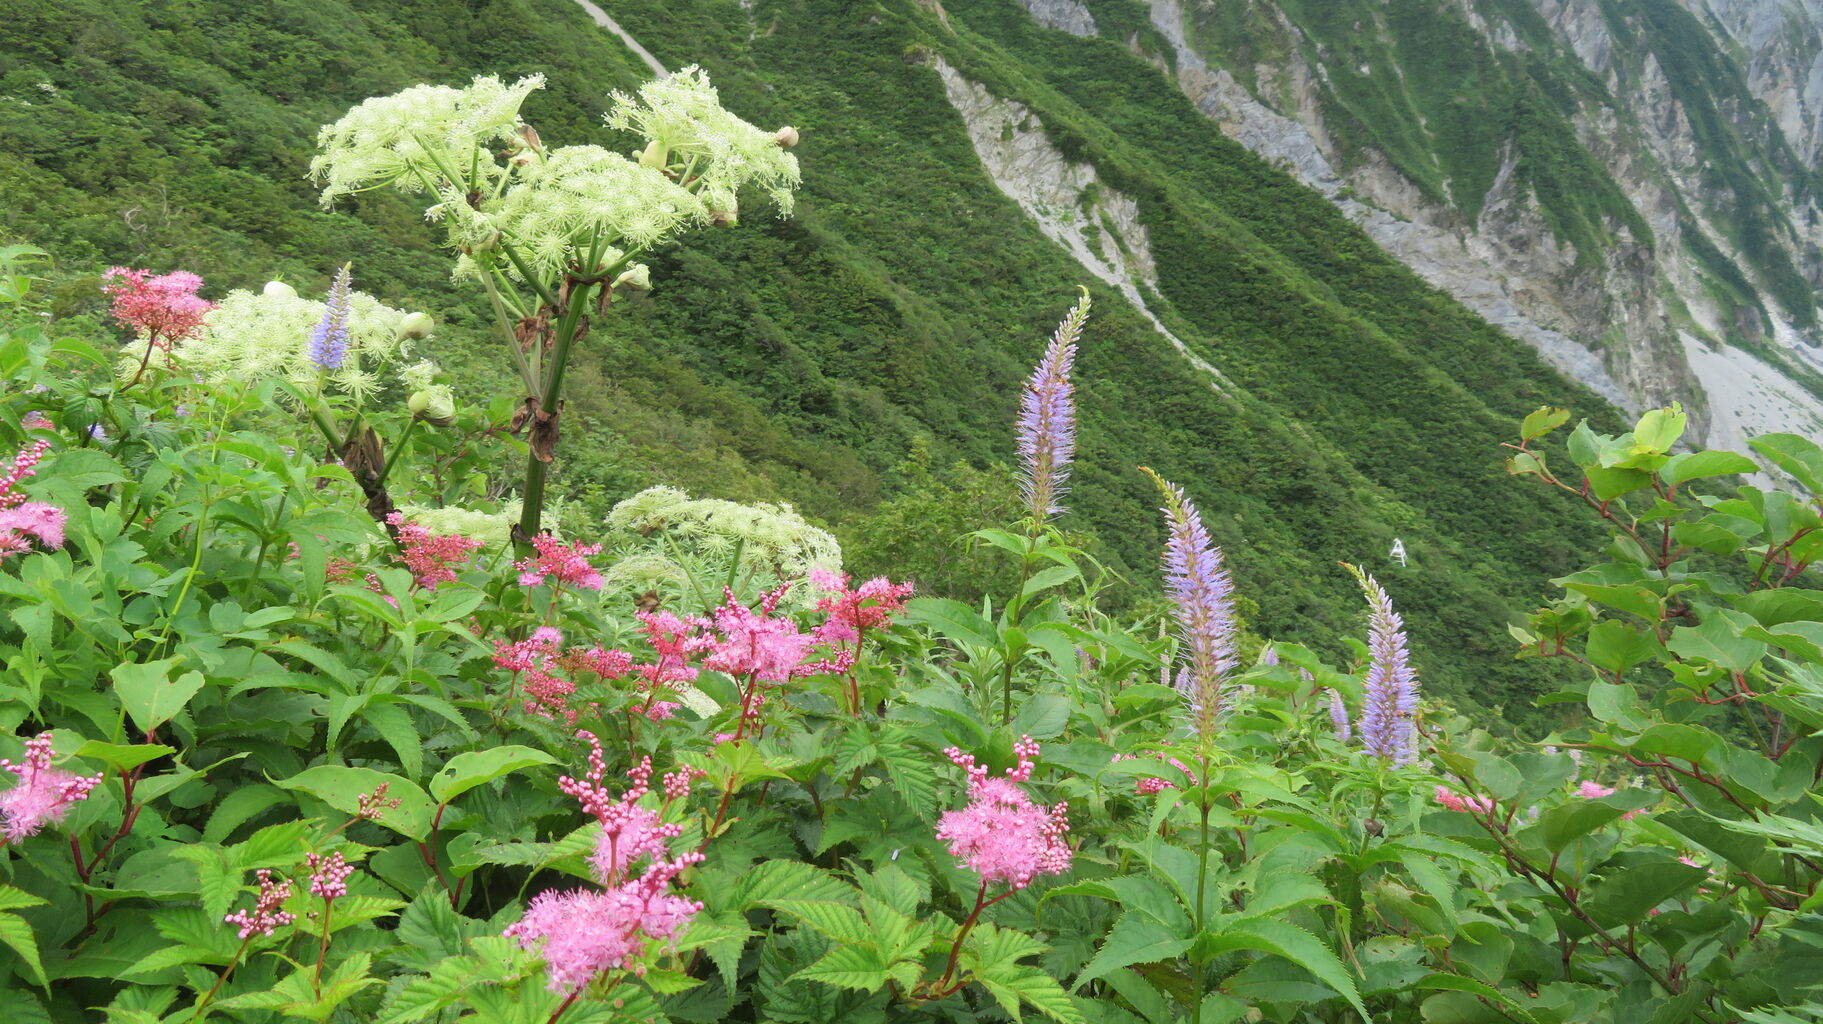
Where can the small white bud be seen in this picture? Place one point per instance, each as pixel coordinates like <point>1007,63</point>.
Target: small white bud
<point>636,276</point>
<point>280,290</point>
<point>656,155</point>
<point>416,326</point>
<point>787,137</point>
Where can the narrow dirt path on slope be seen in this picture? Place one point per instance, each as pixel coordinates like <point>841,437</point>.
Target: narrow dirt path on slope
<point>601,18</point>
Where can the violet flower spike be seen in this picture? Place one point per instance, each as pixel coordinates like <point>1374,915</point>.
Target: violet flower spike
<point>1390,704</point>
<point>1047,419</point>
<point>329,343</point>
<point>1200,588</point>
<point>1338,716</point>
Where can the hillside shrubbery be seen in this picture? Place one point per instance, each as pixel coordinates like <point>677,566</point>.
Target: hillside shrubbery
<point>304,722</point>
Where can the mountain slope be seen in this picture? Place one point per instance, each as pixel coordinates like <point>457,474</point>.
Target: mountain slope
<point>1351,403</point>
<point>1632,188</point>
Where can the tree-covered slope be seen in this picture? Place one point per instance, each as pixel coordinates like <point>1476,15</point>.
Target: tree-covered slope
<point>898,308</point>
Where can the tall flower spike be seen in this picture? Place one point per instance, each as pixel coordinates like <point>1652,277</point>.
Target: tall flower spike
<point>1047,418</point>
<point>1338,715</point>
<point>1199,587</point>
<point>1391,701</point>
<point>329,343</point>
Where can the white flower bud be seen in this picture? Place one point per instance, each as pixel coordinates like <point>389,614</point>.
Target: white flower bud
<point>656,155</point>
<point>416,326</point>
<point>636,276</point>
<point>787,137</point>
<point>435,405</point>
<point>279,290</point>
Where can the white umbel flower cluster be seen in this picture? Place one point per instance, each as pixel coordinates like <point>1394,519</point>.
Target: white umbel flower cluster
<point>427,131</point>
<point>682,116</point>
<point>585,199</point>
<point>252,337</point>
<point>772,539</point>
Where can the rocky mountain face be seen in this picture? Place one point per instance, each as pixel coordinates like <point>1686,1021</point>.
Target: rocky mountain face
<point>1632,188</point>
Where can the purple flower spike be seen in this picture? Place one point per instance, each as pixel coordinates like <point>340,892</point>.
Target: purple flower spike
<point>1338,715</point>
<point>329,343</point>
<point>1199,586</point>
<point>1047,419</point>
<point>1391,701</point>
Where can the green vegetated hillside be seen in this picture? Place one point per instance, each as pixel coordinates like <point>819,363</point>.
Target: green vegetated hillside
<point>1416,83</point>
<point>898,309</point>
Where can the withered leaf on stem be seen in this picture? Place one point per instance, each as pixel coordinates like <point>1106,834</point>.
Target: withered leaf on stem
<point>543,437</point>
<point>526,410</point>
<point>534,330</point>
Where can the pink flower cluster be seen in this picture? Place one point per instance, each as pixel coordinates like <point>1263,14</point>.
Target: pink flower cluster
<point>852,612</point>
<point>568,564</point>
<point>1456,802</point>
<point>329,875</point>
<point>628,830</point>
<point>1589,789</point>
<point>759,644</point>
<point>1002,835</point>
<point>432,558</point>
<point>582,933</point>
<point>42,794</point>
<point>266,917</point>
<point>22,520</point>
<point>162,309</point>
<point>538,658</point>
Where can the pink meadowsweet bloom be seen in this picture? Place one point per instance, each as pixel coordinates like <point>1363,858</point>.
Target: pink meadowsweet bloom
<point>756,643</point>
<point>565,563</point>
<point>22,520</point>
<point>604,663</point>
<point>628,830</point>
<point>852,612</point>
<point>582,933</point>
<point>677,783</point>
<point>329,875</point>
<point>162,309</point>
<point>1592,790</point>
<point>1467,804</point>
<point>724,737</point>
<point>42,794</point>
<point>535,659</point>
<point>432,558</point>
<point>266,917</point>
<point>674,642</point>
<point>1002,835</point>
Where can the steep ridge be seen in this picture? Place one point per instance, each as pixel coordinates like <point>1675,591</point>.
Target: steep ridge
<point>1632,189</point>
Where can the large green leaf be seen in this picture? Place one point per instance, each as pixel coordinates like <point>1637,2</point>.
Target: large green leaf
<point>342,787</point>
<point>150,695</point>
<point>1137,938</point>
<point>474,768</point>
<point>952,620</point>
<point>1282,939</point>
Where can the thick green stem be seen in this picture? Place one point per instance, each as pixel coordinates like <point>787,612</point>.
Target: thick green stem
<point>536,470</point>
<point>398,449</point>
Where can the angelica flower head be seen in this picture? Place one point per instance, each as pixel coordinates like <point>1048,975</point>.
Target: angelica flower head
<point>682,117</point>
<point>1047,419</point>
<point>1001,834</point>
<point>41,795</point>
<point>418,135</point>
<point>1203,598</point>
<point>278,334</point>
<point>1390,702</point>
<point>771,539</point>
<point>579,195</point>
